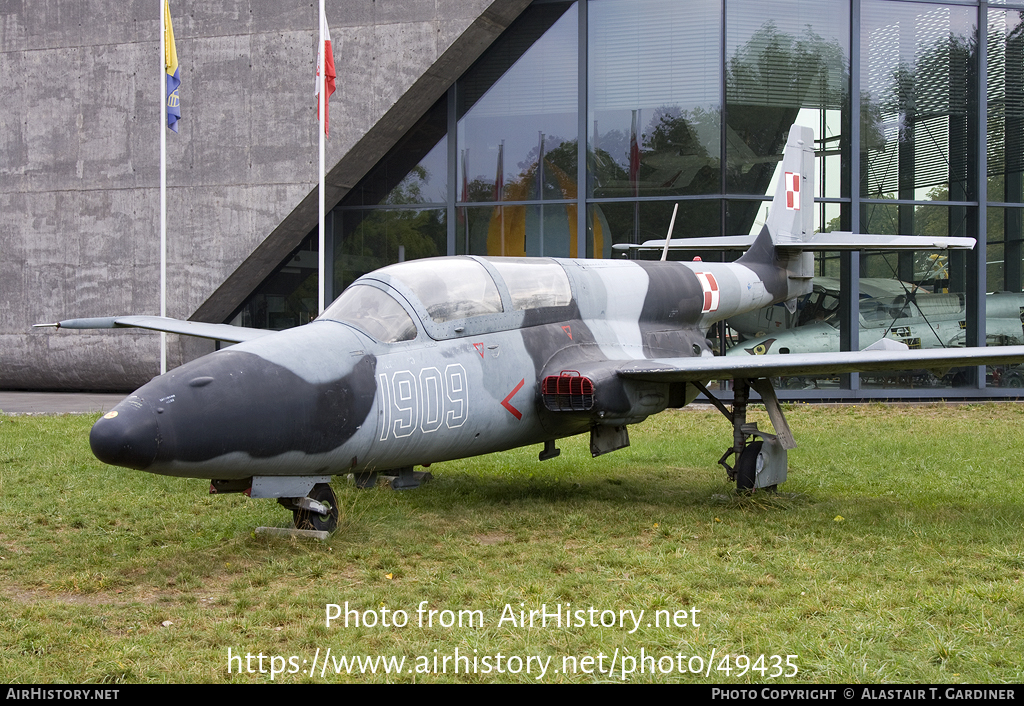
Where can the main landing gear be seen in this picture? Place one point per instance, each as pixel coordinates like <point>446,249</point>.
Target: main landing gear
<point>761,457</point>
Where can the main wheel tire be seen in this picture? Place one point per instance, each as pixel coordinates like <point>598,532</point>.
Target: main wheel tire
<point>304,519</point>
<point>746,467</point>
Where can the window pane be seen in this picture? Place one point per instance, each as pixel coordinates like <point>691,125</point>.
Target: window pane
<point>366,240</point>
<point>655,98</point>
<point>1004,303</point>
<point>1005,106</point>
<point>534,283</point>
<point>791,68</point>
<point>1005,249</point>
<point>640,221</point>
<point>374,312</point>
<point>414,171</point>
<point>919,100</point>
<point>450,288</point>
<point>517,112</point>
<point>537,230</point>
<point>289,296</point>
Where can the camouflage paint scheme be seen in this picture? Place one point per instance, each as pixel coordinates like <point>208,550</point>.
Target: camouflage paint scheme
<point>326,398</point>
<point>279,413</point>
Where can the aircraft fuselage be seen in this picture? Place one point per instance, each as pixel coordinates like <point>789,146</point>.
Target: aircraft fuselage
<point>327,398</point>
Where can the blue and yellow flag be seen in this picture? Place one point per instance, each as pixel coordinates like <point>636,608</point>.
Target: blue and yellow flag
<point>172,71</point>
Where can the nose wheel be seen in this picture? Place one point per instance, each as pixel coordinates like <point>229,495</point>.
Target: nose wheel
<point>322,513</point>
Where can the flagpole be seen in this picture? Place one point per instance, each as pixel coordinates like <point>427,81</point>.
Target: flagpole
<point>163,185</point>
<point>540,194</point>
<point>320,79</point>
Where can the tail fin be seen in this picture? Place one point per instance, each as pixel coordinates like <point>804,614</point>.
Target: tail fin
<point>791,217</point>
<point>789,227</point>
<point>790,222</point>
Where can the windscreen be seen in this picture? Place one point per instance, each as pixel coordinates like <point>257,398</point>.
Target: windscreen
<point>374,312</point>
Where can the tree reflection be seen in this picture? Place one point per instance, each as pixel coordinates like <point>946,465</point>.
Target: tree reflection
<point>371,239</point>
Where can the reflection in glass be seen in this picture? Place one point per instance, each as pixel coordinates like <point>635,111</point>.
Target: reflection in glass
<point>1005,240</point>
<point>534,283</point>
<point>531,230</point>
<point>919,101</point>
<point>1005,81</point>
<point>1004,304</point>
<point>288,296</point>
<point>916,297</point>
<point>655,98</point>
<point>449,288</point>
<point>414,171</point>
<point>649,220</point>
<point>517,112</point>
<point>366,240</point>
<point>1005,226</point>
<point>790,68</point>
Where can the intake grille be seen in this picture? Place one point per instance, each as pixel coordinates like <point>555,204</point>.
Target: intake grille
<point>567,392</point>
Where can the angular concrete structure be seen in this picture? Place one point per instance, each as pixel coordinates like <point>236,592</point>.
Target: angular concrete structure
<point>79,173</point>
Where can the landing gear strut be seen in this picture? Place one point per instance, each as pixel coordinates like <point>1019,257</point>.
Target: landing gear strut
<point>761,460</point>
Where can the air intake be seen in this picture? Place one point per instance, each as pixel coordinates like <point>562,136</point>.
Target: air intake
<point>567,392</point>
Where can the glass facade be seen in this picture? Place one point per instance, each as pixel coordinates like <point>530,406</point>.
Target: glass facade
<point>586,122</point>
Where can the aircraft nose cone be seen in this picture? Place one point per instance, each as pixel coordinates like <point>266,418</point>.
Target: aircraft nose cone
<point>126,436</point>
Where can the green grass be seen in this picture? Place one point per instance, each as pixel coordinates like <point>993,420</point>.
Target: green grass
<point>892,554</point>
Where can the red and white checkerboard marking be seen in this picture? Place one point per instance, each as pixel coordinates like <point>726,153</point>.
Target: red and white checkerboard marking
<point>792,191</point>
<point>711,294</point>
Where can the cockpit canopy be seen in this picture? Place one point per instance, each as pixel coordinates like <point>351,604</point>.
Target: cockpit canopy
<point>533,283</point>
<point>457,295</point>
<point>450,288</point>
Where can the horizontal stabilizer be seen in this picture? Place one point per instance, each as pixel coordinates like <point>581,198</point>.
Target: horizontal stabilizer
<point>724,242</point>
<point>199,329</point>
<point>837,240</point>
<point>844,240</point>
<point>790,222</point>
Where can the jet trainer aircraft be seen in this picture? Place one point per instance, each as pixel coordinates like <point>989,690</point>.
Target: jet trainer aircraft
<point>439,359</point>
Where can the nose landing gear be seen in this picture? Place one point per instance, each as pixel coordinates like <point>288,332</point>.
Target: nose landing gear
<point>316,511</point>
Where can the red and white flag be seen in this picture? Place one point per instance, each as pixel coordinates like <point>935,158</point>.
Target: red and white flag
<point>329,74</point>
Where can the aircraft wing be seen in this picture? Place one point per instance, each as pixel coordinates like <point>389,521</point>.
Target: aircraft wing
<point>769,366</point>
<point>216,332</point>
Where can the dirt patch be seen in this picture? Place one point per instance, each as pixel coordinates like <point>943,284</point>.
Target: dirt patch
<point>492,538</point>
<point>106,598</point>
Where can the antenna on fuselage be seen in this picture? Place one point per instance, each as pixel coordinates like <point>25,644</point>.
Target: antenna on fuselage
<point>668,238</point>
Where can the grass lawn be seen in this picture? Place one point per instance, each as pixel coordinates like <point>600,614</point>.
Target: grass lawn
<point>892,554</point>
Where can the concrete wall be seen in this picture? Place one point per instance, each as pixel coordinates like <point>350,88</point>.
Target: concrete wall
<point>79,156</point>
